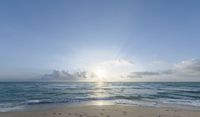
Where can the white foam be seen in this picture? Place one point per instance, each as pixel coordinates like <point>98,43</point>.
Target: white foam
<point>33,101</point>
<point>7,109</point>
<point>182,102</point>
<point>130,102</point>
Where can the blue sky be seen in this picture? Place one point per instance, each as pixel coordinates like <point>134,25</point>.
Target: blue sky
<point>37,36</point>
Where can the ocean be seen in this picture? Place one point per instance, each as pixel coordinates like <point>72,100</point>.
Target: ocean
<point>16,96</point>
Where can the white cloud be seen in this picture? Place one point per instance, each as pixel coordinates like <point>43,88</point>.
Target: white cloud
<point>108,71</point>
<point>188,70</point>
<point>125,70</point>
<point>189,66</point>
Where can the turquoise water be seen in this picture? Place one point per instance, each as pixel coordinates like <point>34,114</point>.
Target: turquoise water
<point>19,95</point>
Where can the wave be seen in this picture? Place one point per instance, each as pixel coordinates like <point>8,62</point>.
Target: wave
<point>195,103</point>
<point>17,95</point>
<point>5,107</point>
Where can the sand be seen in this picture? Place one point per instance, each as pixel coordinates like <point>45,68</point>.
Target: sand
<point>107,111</point>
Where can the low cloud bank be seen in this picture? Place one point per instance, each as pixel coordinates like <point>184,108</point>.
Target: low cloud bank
<point>64,76</point>
<point>188,70</point>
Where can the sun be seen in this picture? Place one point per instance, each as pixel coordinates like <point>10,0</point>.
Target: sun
<point>100,73</point>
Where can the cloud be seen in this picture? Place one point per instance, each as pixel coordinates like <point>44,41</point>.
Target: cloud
<point>189,66</point>
<point>142,74</point>
<point>64,76</point>
<point>151,73</point>
<point>183,71</point>
<point>112,70</point>
<point>118,62</point>
<point>124,70</point>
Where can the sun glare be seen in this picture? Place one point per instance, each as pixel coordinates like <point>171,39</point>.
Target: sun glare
<point>99,74</point>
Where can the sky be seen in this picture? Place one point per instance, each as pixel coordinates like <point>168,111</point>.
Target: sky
<point>100,40</point>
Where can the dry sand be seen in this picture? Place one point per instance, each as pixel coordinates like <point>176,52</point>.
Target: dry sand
<point>107,111</point>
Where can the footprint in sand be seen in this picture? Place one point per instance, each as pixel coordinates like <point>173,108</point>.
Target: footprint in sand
<point>124,112</point>
<point>177,116</point>
<point>101,113</point>
<point>83,116</point>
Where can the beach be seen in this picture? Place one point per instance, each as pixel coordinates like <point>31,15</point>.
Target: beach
<point>106,111</point>
<point>99,58</point>
<point>99,99</point>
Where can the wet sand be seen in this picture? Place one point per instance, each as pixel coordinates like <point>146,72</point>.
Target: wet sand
<point>107,111</point>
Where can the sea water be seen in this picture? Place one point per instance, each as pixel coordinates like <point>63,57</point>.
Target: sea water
<point>20,95</point>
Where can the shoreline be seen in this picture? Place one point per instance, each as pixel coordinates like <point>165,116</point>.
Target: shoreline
<point>36,107</point>
<point>105,111</point>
